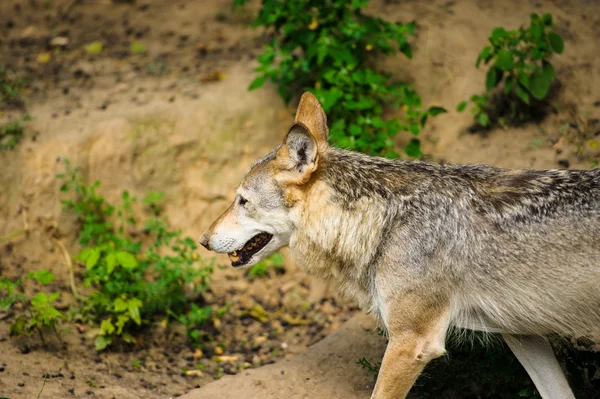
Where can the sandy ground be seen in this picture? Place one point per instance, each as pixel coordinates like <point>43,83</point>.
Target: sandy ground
<point>178,119</point>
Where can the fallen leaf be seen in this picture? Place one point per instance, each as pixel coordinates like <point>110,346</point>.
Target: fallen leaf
<point>44,58</point>
<point>198,353</point>
<point>295,321</point>
<point>314,24</point>
<point>213,77</point>
<point>259,313</point>
<point>59,41</point>
<point>229,359</point>
<point>93,48</point>
<point>196,373</point>
<point>138,48</point>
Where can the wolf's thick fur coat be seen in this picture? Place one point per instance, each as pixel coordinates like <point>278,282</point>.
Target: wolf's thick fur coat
<point>426,246</point>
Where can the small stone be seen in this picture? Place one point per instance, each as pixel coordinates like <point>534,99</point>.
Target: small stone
<point>564,163</point>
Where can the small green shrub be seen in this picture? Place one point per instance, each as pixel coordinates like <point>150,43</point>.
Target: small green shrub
<point>325,48</point>
<point>37,313</point>
<point>261,269</point>
<point>372,369</point>
<point>10,135</point>
<point>133,280</point>
<point>519,60</point>
<point>10,88</point>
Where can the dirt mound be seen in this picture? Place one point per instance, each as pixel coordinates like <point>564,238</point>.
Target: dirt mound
<point>326,370</point>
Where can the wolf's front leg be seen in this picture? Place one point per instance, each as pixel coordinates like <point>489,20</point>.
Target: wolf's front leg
<point>417,332</point>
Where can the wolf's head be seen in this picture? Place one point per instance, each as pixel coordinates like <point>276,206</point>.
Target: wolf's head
<point>261,218</point>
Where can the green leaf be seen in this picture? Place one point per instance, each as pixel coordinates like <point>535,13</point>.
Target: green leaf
<point>540,85</point>
<point>120,305</point>
<point>548,71</point>
<point>18,327</point>
<point>547,19</point>
<point>498,33</point>
<point>102,342</point>
<point>492,78</point>
<point>121,320</point>
<point>433,111</point>
<point>128,338</point>
<point>461,106</point>
<point>522,93</point>
<point>107,327</point>
<point>537,31</point>
<point>138,48</point>
<point>39,299</point>
<point>93,48</point>
<point>53,297</point>
<point>42,276</point>
<point>256,83</point>
<point>126,259</point>
<point>85,253</point>
<point>523,79</point>
<point>504,60</point>
<point>111,262</point>
<point>483,55</point>
<point>556,42</point>
<point>413,148</point>
<point>355,130</point>
<point>92,259</point>
<point>483,119</point>
<point>134,305</point>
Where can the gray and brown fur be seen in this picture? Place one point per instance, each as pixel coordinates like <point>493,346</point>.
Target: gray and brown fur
<point>426,247</point>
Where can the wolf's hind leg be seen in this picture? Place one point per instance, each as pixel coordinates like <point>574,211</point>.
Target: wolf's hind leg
<point>537,357</point>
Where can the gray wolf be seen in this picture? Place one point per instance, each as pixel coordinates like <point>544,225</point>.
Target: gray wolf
<point>427,247</point>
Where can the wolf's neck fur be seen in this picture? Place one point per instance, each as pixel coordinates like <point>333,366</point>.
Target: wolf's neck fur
<point>346,216</point>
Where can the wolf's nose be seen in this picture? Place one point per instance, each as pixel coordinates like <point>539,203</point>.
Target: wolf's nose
<point>204,241</point>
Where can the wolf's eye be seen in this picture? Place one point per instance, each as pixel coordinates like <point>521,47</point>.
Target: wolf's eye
<point>243,201</point>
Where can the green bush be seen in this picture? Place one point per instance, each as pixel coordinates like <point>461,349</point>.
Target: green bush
<point>133,280</point>
<point>37,313</point>
<point>325,48</point>
<point>519,60</point>
<point>261,269</point>
<point>10,135</point>
<point>10,88</point>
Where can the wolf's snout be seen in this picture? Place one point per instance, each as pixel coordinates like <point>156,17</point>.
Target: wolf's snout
<point>204,241</point>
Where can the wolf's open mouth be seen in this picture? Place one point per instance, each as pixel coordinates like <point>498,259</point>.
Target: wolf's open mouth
<point>255,244</point>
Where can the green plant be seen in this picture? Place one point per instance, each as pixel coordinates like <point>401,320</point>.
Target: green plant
<point>520,60</point>
<point>37,313</point>
<point>10,87</point>
<point>325,48</point>
<point>261,269</point>
<point>10,135</point>
<point>372,369</point>
<point>133,280</point>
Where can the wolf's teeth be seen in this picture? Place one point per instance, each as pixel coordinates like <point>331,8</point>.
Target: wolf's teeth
<point>233,257</point>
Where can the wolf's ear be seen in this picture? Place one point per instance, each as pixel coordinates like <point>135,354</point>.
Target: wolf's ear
<point>312,115</point>
<point>298,156</point>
